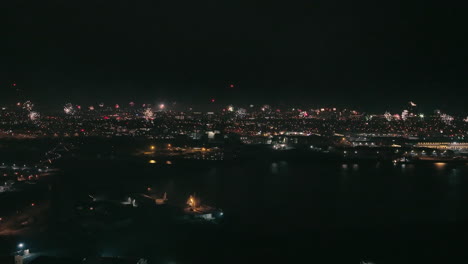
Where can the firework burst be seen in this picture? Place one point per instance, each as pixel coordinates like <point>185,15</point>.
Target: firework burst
<point>28,105</point>
<point>34,116</point>
<point>148,113</point>
<point>404,115</point>
<point>447,119</point>
<point>241,113</point>
<point>388,116</point>
<point>69,109</point>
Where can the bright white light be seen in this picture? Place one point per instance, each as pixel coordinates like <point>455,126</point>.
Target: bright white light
<point>162,106</point>
<point>20,245</point>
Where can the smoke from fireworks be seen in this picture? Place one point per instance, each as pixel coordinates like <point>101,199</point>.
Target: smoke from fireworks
<point>241,112</point>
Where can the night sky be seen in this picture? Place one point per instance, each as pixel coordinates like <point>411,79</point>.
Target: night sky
<point>372,55</point>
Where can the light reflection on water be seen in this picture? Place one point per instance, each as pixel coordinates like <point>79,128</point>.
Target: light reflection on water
<point>355,193</point>
<point>440,165</point>
<point>413,191</point>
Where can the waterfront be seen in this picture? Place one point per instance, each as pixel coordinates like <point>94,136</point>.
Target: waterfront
<point>277,205</point>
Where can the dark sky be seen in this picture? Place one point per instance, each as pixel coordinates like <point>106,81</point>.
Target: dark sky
<point>373,55</point>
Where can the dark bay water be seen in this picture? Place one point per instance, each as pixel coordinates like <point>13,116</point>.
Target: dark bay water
<point>285,208</point>
<point>277,208</point>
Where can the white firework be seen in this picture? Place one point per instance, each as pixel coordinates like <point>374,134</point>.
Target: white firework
<point>69,109</point>
<point>34,116</point>
<point>101,105</point>
<point>466,119</point>
<point>28,105</point>
<point>230,108</point>
<point>241,112</point>
<point>148,113</point>
<point>447,119</point>
<point>388,116</point>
